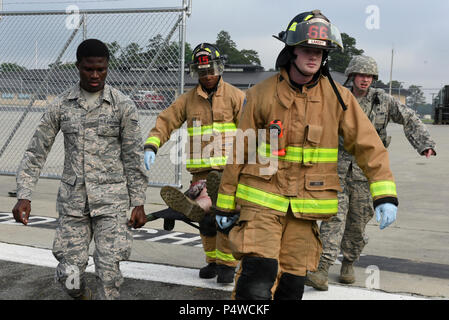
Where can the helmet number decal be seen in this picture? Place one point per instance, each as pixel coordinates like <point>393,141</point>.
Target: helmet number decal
<point>203,60</point>
<point>318,32</point>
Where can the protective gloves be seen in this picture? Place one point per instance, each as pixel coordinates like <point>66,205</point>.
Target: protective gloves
<point>226,222</point>
<point>149,158</point>
<point>387,213</point>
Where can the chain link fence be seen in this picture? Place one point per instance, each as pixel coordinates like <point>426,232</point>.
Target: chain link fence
<point>37,62</point>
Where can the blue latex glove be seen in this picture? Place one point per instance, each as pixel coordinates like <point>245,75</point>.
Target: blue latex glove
<point>225,223</point>
<point>387,213</point>
<point>149,158</point>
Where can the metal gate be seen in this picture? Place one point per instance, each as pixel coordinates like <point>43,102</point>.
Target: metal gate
<point>37,62</point>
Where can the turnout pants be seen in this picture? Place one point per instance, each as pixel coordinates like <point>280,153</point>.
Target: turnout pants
<point>217,250</point>
<point>285,248</point>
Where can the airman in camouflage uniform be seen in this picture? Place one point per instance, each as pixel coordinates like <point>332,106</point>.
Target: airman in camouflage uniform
<point>103,175</point>
<point>355,210</point>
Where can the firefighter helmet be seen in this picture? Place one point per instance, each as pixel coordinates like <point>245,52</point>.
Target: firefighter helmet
<point>311,29</point>
<point>206,60</point>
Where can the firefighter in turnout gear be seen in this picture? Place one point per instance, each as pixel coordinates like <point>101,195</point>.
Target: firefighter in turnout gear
<point>346,230</point>
<point>276,236</point>
<point>211,111</point>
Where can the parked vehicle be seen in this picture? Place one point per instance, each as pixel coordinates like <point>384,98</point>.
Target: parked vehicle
<point>148,99</point>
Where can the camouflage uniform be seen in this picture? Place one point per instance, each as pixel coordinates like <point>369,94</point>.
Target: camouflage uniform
<point>103,177</point>
<point>354,202</point>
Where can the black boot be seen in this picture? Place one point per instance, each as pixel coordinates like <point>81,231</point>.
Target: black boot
<point>256,279</point>
<point>225,274</point>
<point>290,287</point>
<point>209,271</point>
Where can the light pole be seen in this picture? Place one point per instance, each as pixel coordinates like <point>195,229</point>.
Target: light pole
<point>399,90</point>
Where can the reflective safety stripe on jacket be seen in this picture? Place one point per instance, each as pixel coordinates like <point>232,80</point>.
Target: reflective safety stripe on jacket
<point>278,202</point>
<point>305,206</point>
<point>380,188</point>
<point>199,131</point>
<point>207,162</point>
<point>209,129</point>
<point>153,140</point>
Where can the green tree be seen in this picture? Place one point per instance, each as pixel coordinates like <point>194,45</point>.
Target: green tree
<point>131,56</point>
<point>63,66</point>
<point>379,84</point>
<point>395,84</point>
<point>168,54</point>
<point>250,57</point>
<point>425,109</point>
<point>416,97</point>
<point>228,47</point>
<point>338,61</point>
<point>114,50</point>
<point>188,53</point>
<point>155,44</point>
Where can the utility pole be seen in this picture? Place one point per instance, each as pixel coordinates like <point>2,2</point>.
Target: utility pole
<point>391,69</point>
<point>399,93</point>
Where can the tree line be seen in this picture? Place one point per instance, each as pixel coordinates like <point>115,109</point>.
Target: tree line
<point>159,54</point>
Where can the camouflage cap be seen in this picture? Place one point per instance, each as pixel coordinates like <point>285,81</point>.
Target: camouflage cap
<point>362,64</point>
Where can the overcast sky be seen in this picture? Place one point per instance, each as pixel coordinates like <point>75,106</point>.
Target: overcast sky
<point>417,30</point>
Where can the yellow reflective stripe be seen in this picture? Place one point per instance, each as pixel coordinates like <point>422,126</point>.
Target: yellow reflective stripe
<point>198,131</point>
<point>298,154</point>
<point>381,188</point>
<point>206,162</point>
<point>217,254</point>
<point>224,256</point>
<point>209,129</point>
<point>154,140</point>
<point>316,155</point>
<point>281,203</point>
<point>316,206</point>
<point>292,154</point>
<point>224,126</point>
<point>218,161</point>
<point>308,17</point>
<point>262,198</point>
<point>225,201</point>
<point>293,26</point>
